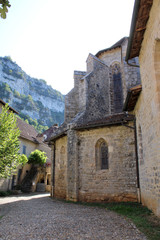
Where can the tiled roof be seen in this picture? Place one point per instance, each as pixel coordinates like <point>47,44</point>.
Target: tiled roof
<point>109,120</point>
<point>27,131</point>
<point>61,131</point>
<point>116,45</point>
<point>132,98</point>
<point>48,133</point>
<point>140,18</point>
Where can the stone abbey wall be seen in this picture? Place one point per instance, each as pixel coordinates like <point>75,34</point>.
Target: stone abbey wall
<point>60,168</point>
<point>130,75</point>
<point>147,113</point>
<point>75,100</point>
<point>118,182</point>
<point>76,175</point>
<point>98,94</point>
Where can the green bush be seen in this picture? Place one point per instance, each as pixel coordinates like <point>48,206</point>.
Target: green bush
<point>37,157</point>
<point>5,193</point>
<point>24,159</point>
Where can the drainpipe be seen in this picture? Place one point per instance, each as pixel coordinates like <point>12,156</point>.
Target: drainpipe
<point>137,165</point>
<point>53,170</point>
<point>136,155</point>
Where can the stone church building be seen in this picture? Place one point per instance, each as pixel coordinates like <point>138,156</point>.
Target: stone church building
<point>94,149</point>
<point>108,148</point>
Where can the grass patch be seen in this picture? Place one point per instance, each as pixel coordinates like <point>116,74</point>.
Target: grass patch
<point>141,216</point>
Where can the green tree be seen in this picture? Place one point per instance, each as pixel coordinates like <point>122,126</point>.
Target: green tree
<point>9,143</point>
<point>4,5</point>
<point>37,157</point>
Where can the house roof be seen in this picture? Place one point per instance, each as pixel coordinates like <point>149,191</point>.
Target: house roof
<point>48,133</point>
<point>116,45</point>
<point>110,120</point>
<point>27,131</point>
<point>61,131</point>
<point>138,26</point>
<point>10,108</point>
<point>132,98</point>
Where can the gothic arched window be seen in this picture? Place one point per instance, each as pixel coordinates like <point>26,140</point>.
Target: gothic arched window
<point>117,88</point>
<point>101,154</point>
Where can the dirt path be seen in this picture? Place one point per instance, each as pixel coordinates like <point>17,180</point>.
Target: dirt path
<point>38,217</point>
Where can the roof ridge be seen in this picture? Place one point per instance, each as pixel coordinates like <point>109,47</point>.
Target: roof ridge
<point>97,59</point>
<point>116,45</point>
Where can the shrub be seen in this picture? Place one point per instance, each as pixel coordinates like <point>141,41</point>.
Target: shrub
<point>5,193</point>
<point>24,159</point>
<point>37,157</point>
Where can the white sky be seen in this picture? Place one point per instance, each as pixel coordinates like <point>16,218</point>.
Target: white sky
<point>49,39</point>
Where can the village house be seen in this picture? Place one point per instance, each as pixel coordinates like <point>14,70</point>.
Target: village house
<point>30,140</point>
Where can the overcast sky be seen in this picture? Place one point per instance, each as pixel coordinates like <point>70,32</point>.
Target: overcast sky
<point>49,39</point>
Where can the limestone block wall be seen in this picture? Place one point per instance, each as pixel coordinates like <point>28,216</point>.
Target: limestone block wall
<point>5,184</point>
<point>98,96</point>
<point>71,105</point>
<point>80,84</point>
<point>148,113</point>
<point>26,168</point>
<point>72,166</point>
<point>130,75</point>
<point>111,56</point>
<point>119,181</point>
<point>60,168</point>
<point>75,99</point>
<point>30,146</point>
<point>45,148</point>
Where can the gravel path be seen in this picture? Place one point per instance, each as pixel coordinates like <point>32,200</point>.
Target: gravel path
<point>38,217</point>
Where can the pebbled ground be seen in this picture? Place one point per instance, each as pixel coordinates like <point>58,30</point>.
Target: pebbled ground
<point>38,217</point>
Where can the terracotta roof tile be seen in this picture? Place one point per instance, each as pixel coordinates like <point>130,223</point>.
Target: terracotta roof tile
<point>27,131</point>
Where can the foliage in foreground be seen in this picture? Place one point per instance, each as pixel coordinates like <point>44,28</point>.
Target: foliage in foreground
<point>37,157</point>
<point>6,193</point>
<point>4,5</point>
<point>10,158</point>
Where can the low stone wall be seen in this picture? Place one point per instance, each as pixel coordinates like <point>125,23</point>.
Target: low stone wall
<point>118,182</point>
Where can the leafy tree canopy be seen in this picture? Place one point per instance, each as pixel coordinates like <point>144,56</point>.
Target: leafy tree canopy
<point>37,157</point>
<point>9,143</point>
<point>4,5</point>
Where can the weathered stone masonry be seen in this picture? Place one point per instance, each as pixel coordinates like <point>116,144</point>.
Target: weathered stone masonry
<point>93,115</point>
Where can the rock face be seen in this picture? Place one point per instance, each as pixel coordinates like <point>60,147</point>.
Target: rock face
<point>30,96</point>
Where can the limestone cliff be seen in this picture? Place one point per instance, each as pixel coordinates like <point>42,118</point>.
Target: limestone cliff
<point>29,96</point>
